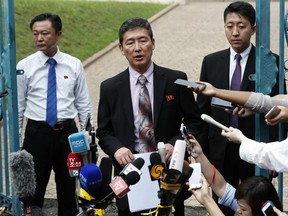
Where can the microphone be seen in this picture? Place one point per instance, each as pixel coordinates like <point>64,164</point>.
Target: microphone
<point>178,155</point>
<point>90,177</point>
<point>120,185</point>
<point>74,163</point>
<point>162,152</point>
<point>136,165</point>
<point>23,177</point>
<point>79,143</point>
<point>106,170</point>
<point>210,120</point>
<point>172,178</point>
<point>156,166</point>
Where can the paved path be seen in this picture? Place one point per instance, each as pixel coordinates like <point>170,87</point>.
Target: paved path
<point>183,35</point>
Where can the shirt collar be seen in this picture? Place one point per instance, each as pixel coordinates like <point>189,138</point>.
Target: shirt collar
<point>244,54</point>
<point>148,74</point>
<point>44,57</point>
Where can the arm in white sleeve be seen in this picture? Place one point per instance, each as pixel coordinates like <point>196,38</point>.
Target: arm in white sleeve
<point>272,156</point>
<point>82,99</point>
<point>21,91</point>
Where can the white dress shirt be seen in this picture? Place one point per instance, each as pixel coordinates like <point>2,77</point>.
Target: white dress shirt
<point>72,90</point>
<point>272,156</point>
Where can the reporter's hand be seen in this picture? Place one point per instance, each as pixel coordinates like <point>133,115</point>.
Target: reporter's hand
<point>202,193</point>
<point>124,156</point>
<point>234,135</point>
<point>197,149</point>
<point>207,89</point>
<point>278,212</point>
<point>281,117</point>
<point>240,112</point>
<point>2,210</point>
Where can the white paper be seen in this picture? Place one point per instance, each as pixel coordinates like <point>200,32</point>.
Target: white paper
<point>144,194</point>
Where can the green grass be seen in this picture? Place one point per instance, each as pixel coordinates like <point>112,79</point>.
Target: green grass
<point>88,26</point>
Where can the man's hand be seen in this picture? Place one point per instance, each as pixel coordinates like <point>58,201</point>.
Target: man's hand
<point>169,150</point>
<point>124,156</point>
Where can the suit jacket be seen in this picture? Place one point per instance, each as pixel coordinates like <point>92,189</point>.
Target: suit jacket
<point>173,104</point>
<point>215,70</point>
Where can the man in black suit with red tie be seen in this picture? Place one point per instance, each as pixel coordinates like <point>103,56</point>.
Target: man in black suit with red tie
<point>219,69</point>
<point>119,115</point>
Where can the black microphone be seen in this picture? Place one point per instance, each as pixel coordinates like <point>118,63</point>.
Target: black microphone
<point>23,177</point>
<point>136,165</point>
<point>106,169</point>
<point>156,166</point>
<point>93,198</point>
<point>120,185</point>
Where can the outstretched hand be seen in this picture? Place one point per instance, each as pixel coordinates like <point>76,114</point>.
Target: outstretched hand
<point>205,89</point>
<point>278,212</point>
<point>281,117</point>
<point>234,135</point>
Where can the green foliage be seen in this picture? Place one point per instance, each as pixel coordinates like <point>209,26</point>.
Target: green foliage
<point>88,26</point>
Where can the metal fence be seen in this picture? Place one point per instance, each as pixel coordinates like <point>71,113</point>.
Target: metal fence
<point>9,132</point>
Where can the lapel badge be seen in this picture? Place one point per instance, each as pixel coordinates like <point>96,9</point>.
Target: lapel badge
<point>169,97</point>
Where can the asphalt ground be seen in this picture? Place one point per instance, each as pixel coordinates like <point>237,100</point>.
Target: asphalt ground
<point>184,34</point>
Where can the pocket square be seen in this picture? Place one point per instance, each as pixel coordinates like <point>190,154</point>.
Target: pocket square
<point>169,97</point>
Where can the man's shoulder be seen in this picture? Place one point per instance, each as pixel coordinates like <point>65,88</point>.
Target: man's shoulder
<point>167,71</point>
<point>116,78</point>
<point>68,57</point>
<point>218,54</point>
<point>28,59</point>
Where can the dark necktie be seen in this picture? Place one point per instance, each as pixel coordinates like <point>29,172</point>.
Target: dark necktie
<point>146,131</point>
<point>51,109</point>
<point>235,85</point>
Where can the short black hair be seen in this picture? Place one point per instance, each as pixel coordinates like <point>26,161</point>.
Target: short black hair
<point>256,190</point>
<point>133,23</point>
<point>242,8</point>
<point>53,18</point>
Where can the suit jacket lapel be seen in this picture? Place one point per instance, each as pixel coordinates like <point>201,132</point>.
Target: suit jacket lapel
<point>249,69</point>
<point>225,59</point>
<point>159,88</point>
<point>124,87</point>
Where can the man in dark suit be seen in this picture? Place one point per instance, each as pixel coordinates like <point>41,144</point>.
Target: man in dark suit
<point>118,112</point>
<point>218,69</point>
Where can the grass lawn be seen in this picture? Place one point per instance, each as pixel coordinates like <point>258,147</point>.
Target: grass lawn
<point>88,26</point>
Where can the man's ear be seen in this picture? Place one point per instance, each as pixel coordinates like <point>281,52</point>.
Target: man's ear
<point>121,48</point>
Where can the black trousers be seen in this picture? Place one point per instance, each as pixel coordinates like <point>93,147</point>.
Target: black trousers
<point>50,148</point>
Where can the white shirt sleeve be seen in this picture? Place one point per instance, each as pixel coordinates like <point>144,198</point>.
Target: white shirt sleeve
<point>271,155</point>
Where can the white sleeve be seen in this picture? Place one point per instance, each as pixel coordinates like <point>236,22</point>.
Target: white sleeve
<point>271,156</point>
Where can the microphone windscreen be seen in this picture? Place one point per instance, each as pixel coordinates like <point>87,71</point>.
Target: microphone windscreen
<point>106,170</point>
<point>156,166</point>
<point>90,177</point>
<point>185,165</point>
<point>132,178</point>
<point>74,161</point>
<point>185,175</point>
<point>22,173</point>
<point>79,142</point>
<point>178,154</point>
<point>138,163</point>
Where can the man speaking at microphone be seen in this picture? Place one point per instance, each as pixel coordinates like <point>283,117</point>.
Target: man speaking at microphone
<point>51,93</point>
<point>142,106</point>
